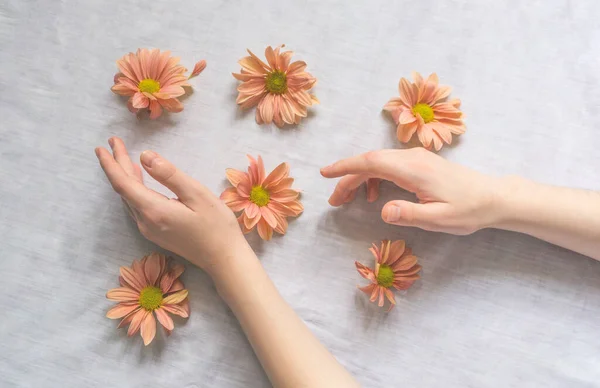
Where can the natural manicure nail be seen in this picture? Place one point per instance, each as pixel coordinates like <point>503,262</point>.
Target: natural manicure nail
<point>148,157</point>
<point>392,214</point>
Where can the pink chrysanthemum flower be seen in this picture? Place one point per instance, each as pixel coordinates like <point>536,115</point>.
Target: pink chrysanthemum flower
<point>149,286</point>
<point>279,88</point>
<point>423,108</point>
<point>395,266</point>
<point>266,201</point>
<point>153,80</point>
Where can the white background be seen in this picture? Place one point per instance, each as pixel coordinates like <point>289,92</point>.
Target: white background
<point>494,309</point>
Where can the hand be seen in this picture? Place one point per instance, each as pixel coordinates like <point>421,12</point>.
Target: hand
<point>196,225</point>
<point>452,198</point>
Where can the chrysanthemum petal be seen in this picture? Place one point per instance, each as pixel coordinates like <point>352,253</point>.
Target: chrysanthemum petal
<point>155,109</point>
<point>412,271</point>
<point>252,66</point>
<point>252,87</point>
<point>123,294</point>
<point>235,176</point>
<point>185,305</point>
<point>283,184</point>
<point>266,108</point>
<point>148,329</point>
<point>169,277</point>
<point>406,263</point>
<point>172,91</point>
<point>296,67</point>
<point>286,195</point>
<point>267,215</point>
<point>282,223</point>
<point>131,277</point>
<point>368,289</point>
<point>121,310</point>
<point>395,103</point>
<point>176,297</point>
<point>122,89</point>
<point>152,268</point>
<point>397,249</point>
<point>176,309</point>
<point>264,230</point>
<point>126,320</point>
<point>136,321</point>
<point>390,296</point>
<point>176,286</point>
<point>164,318</point>
<point>252,210</point>
<point>140,101</point>
<point>270,55</point>
<point>280,172</point>
<point>407,92</point>
<point>406,117</point>
<point>365,271</point>
<point>406,131</point>
<point>198,68</point>
<point>172,105</point>
<point>250,223</point>
<point>403,285</point>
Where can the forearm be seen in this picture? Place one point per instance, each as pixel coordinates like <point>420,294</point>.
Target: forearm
<point>290,354</point>
<point>566,217</point>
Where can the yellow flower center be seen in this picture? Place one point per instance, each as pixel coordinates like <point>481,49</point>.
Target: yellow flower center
<point>259,196</point>
<point>149,85</point>
<point>151,297</point>
<point>424,111</point>
<point>276,82</point>
<point>385,277</point>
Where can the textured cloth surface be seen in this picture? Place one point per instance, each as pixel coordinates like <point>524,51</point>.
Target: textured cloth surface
<point>494,309</point>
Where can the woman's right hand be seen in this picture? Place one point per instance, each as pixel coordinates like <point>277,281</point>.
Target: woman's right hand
<point>196,225</point>
<point>452,198</point>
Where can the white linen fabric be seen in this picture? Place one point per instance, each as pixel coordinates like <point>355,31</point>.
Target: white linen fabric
<point>494,309</point>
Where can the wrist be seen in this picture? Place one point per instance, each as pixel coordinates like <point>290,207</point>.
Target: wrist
<point>511,194</point>
<point>216,262</point>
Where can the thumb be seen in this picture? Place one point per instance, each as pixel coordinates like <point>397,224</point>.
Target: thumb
<point>405,213</point>
<point>187,189</point>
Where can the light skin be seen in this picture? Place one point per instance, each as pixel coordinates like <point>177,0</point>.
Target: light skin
<point>200,228</point>
<point>457,200</point>
<point>452,199</point>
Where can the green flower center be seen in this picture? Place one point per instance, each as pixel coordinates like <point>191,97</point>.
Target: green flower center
<point>385,278</point>
<point>149,85</point>
<point>151,297</point>
<point>276,82</point>
<point>259,196</point>
<point>424,111</point>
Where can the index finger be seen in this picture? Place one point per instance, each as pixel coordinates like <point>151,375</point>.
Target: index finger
<point>372,164</point>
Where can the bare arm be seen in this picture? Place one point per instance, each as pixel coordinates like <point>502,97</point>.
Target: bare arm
<point>458,200</point>
<point>566,217</point>
<point>200,228</point>
<point>290,354</point>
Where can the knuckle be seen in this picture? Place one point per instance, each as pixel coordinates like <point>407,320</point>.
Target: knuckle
<point>154,217</point>
<point>119,186</point>
<point>370,159</point>
<point>168,172</point>
<point>144,230</point>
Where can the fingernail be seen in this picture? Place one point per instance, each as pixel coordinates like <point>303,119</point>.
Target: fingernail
<point>148,157</point>
<point>111,142</point>
<point>97,151</point>
<point>325,169</point>
<point>392,214</point>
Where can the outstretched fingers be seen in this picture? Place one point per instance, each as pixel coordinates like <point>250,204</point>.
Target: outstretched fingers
<point>373,164</point>
<point>188,190</point>
<point>127,186</point>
